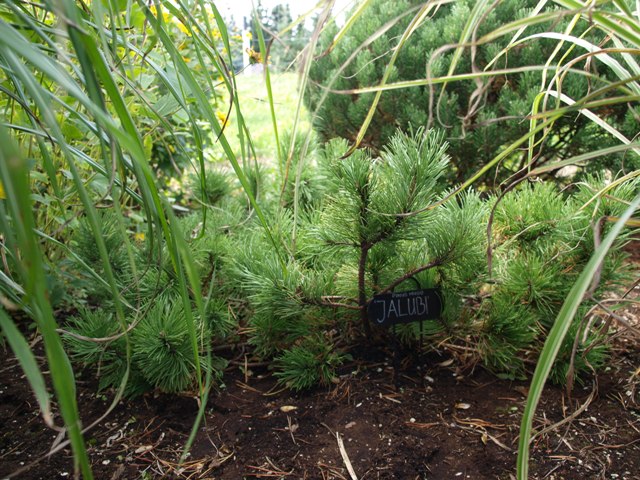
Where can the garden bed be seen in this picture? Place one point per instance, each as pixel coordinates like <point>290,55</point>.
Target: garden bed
<point>440,423</point>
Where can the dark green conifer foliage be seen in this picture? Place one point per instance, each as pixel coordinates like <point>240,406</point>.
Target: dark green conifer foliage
<point>542,240</point>
<point>373,234</point>
<point>109,357</point>
<point>85,247</point>
<point>372,224</point>
<point>216,187</point>
<point>478,117</point>
<point>301,178</point>
<point>380,203</point>
<point>162,355</point>
<point>310,362</point>
<point>162,347</point>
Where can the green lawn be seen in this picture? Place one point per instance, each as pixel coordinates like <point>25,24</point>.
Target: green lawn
<point>254,103</point>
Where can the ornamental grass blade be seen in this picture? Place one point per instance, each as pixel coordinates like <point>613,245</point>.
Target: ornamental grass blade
<point>18,228</point>
<point>267,82</point>
<point>557,334</point>
<point>625,27</point>
<point>362,6</point>
<point>417,20</point>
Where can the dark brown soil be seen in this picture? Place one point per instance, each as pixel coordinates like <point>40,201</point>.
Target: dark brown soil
<point>439,424</point>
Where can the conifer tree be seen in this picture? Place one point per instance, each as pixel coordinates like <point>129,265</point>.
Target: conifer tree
<point>384,224</point>
<point>478,117</point>
<point>374,234</point>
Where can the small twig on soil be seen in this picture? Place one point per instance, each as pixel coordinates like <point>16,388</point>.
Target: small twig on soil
<point>333,470</point>
<point>569,418</point>
<point>388,397</point>
<point>478,422</point>
<point>244,386</point>
<point>265,472</point>
<point>345,458</point>
<point>621,320</point>
<point>421,425</point>
<point>291,429</point>
<point>484,435</point>
<point>242,363</point>
<point>327,427</point>
<point>273,391</point>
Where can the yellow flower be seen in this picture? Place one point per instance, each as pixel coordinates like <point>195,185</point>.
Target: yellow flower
<point>222,118</point>
<point>182,27</point>
<point>3,195</point>
<point>254,57</point>
<point>139,237</point>
<point>249,35</point>
<point>165,15</point>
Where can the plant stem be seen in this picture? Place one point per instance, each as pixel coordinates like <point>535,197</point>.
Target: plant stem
<point>362,293</point>
<point>408,275</point>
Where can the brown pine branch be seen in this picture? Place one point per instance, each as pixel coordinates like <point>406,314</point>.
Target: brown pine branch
<point>408,275</point>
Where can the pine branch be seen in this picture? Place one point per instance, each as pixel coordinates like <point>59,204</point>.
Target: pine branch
<point>340,305</point>
<point>335,243</point>
<point>328,303</point>
<point>362,292</point>
<point>408,275</point>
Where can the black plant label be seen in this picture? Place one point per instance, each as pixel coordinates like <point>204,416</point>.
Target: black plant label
<point>405,307</point>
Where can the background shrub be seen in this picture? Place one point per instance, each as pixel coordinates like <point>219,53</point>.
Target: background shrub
<point>479,117</point>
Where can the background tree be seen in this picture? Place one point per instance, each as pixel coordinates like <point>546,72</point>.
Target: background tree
<point>284,48</point>
<point>479,116</point>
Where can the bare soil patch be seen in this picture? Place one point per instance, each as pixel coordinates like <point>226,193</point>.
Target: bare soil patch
<point>440,423</point>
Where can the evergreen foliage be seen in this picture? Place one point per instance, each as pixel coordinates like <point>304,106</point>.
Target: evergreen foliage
<point>373,234</point>
<point>541,239</point>
<point>479,116</point>
<point>216,187</point>
<point>90,347</point>
<point>381,227</point>
<point>161,351</point>
<point>365,225</point>
<point>301,179</point>
<point>309,363</point>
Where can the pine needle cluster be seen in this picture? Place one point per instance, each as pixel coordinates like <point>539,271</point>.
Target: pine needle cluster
<point>365,225</point>
<point>542,240</point>
<point>374,232</point>
<point>156,348</point>
<point>478,116</point>
<point>386,224</point>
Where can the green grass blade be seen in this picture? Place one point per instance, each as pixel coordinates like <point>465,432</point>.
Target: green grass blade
<point>362,6</point>
<point>424,82</point>
<point>475,16</point>
<point>557,334</point>
<point>624,27</point>
<point>583,158</point>
<point>208,113</point>
<point>417,20</point>
<point>267,82</point>
<point>18,225</point>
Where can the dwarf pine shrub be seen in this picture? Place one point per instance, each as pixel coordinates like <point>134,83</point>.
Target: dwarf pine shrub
<point>385,224</point>
<point>157,350</point>
<point>366,224</point>
<point>542,240</point>
<point>478,116</point>
<point>373,234</point>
